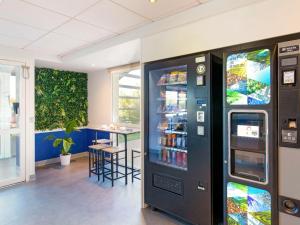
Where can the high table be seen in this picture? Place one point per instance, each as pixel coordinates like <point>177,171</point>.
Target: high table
<point>125,133</point>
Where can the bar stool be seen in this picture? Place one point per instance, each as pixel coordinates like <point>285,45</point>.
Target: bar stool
<point>113,158</point>
<point>135,153</point>
<point>95,160</point>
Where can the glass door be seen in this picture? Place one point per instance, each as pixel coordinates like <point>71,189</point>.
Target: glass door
<point>12,124</point>
<point>168,117</point>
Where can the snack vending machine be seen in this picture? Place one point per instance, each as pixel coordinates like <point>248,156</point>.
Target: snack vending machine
<point>183,148</point>
<point>289,133</point>
<point>250,166</point>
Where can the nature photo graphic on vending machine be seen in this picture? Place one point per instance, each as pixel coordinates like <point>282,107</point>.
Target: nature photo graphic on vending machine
<point>247,205</point>
<point>249,78</point>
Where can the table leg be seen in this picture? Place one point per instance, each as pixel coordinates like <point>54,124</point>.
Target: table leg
<point>103,165</point>
<point>126,172</point>
<point>90,163</point>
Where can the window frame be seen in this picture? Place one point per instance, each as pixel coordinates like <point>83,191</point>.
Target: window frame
<point>115,92</point>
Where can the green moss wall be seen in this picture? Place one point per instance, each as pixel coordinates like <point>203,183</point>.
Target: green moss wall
<point>60,96</point>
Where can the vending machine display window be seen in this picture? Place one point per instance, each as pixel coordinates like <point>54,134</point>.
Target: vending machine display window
<point>248,146</point>
<point>249,78</point>
<point>168,117</point>
<point>248,205</point>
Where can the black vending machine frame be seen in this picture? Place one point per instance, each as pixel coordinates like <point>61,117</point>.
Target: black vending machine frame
<point>199,198</point>
<point>270,109</point>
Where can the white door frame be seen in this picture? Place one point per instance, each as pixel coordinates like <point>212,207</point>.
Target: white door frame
<point>22,125</point>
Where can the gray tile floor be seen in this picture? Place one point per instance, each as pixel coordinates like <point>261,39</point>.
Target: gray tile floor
<point>68,197</point>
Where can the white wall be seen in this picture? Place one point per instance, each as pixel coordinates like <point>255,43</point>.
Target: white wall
<point>269,18</point>
<point>99,98</point>
<point>18,56</point>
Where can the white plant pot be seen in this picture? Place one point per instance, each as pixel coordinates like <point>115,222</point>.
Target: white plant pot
<point>65,160</point>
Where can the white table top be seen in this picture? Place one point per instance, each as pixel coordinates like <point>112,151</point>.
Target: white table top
<point>116,131</point>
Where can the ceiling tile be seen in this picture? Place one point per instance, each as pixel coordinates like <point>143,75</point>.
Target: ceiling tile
<point>66,7</point>
<point>160,9</point>
<point>16,30</point>
<point>111,16</point>
<point>13,41</point>
<point>19,11</point>
<point>82,31</point>
<point>56,44</point>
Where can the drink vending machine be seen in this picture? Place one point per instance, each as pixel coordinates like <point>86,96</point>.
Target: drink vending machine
<point>289,133</point>
<point>250,148</point>
<point>183,148</point>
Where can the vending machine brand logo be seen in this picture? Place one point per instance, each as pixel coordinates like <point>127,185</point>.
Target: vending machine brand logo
<point>200,59</point>
<point>201,69</point>
<point>293,48</point>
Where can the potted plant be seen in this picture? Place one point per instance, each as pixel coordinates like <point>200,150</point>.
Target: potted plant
<point>65,143</point>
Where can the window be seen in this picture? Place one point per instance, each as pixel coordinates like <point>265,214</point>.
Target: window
<point>126,95</point>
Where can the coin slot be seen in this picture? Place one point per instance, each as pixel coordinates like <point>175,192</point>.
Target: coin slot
<point>292,123</point>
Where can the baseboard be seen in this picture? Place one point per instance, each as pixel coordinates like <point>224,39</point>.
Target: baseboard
<point>56,160</point>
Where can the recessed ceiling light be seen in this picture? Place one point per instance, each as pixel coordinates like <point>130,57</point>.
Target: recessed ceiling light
<point>153,1</point>
<point>93,65</point>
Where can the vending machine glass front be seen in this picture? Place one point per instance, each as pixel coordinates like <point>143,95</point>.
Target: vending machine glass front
<point>168,117</point>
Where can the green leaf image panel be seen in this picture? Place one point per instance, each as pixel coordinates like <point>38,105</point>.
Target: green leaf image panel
<point>60,96</point>
<point>248,205</point>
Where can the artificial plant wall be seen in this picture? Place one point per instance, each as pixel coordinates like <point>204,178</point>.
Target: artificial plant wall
<point>60,96</point>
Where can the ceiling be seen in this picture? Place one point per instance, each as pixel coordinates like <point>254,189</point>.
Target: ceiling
<point>57,27</point>
<point>122,54</point>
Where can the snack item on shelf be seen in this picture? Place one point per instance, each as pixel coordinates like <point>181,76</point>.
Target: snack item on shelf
<point>173,156</point>
<point>170,123</point>
<point>161,109</point>
<point>178,158</point>
<point>169,158</point>
<point>173,77</point>
<point>163,79</point>
<point>164,155</point>
<point>184,159</point>
<point>183,142</point>
<point>171,108</point>
<point>163,125</point>
<point>169,140</point>
<point>164,141</point>
<point>179,139</point>
<point>174,140</point>
<point>179,127</point>
<point>182,95</point>
<point>181,77</point>
<point>163,94</point>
